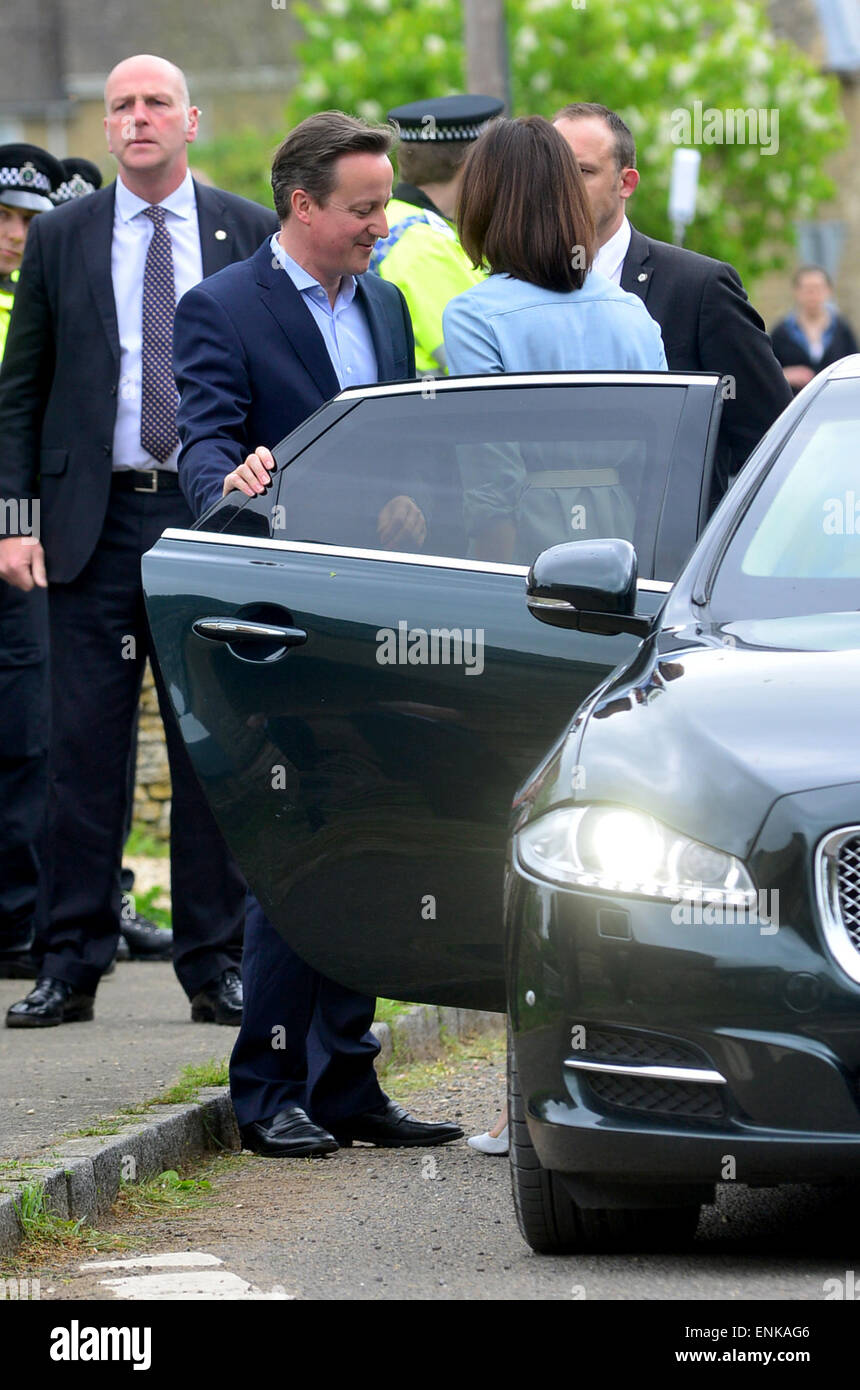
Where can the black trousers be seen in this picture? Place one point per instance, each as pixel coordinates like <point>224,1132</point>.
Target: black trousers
<point>24,732</point>
<point>99,643</point>
<point>304,1040</point>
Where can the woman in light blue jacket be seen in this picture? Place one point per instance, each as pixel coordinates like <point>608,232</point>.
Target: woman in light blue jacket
<point>524,215</point>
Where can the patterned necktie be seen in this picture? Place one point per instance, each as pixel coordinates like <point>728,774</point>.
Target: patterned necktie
<point>157,385</point>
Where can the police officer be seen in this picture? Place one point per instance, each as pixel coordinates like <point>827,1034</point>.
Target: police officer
<point>421,253</point>
<point>28,178</point>
<point>80,177</point>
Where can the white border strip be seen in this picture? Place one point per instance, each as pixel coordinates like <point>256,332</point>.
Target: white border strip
<point>709,1078</point>
<point>397,557</point>
<point>468,383</point>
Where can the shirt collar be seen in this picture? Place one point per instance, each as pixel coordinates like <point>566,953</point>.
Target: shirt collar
<point>305,282</point>
<point>182,202</point>
<point>611,254</point>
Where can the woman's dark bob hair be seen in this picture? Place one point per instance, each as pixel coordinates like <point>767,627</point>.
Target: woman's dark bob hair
<point>523,209</point>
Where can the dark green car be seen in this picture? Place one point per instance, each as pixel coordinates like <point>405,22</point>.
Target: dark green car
<point>362,718</point>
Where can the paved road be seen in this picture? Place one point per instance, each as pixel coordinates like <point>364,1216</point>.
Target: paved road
<point>439,1224</point>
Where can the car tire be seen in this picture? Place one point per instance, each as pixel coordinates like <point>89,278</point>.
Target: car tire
<point>552,1223</point>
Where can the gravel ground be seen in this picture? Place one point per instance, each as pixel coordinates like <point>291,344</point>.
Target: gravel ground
<point>438,1224</point>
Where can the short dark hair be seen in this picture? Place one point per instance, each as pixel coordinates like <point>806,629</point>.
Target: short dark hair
<point>431,161</point>
<point>523,207</point>
<point>625,145</point>
<point>307,157</point>
<point>810,270</point>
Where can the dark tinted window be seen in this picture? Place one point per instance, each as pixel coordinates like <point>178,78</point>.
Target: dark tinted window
<point>494,474</point>
<point>797,549</point>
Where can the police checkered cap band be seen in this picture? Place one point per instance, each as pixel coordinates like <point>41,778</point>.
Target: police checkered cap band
<point>436,131</point>
<point>25,178</point>
<point>75,187</point>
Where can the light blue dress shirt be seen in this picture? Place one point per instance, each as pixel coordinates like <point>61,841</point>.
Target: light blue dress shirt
<point>132,234</point>
<point>345,330</point>
<point>508,325</point>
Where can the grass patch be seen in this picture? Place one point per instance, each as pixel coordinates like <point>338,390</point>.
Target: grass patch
<point>166,1191</point>
<point>146,905</point>
<point>192,1079</point>
<point>45,1233</point>
<point>111,1124</point>
<point>141,844</point>
<point>387,1010</point>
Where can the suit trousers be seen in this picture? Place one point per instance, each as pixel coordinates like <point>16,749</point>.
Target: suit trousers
<point>99,644</point>
<point>24,731</point>
<point>304,1040</point>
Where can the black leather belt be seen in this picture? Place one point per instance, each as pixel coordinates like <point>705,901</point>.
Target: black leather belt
<point>145,480</point>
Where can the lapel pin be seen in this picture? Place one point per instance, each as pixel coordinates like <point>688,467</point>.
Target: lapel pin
<point>643,274</point>
<point>220,235</point>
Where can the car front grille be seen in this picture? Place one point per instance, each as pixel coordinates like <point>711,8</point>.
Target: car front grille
<point>649,1073</point>
<point>614,1045</point>
<point>837,879</point>
<point>678,1098</point>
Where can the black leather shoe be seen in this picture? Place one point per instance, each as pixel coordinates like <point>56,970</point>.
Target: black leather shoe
<point>289,1134</point>
<point>50,1003</point>
<point>395,1128</point>
<point>220,1001</point>
<point>145,940</point>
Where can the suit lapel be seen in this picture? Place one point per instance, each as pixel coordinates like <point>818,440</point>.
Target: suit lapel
<point>380,330</point>
<point>97,238</point>
<point>217,234</point>
<point>636,272</point>
<point>295,321</point>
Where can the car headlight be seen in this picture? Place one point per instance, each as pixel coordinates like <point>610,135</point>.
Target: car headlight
<point>623,850</point>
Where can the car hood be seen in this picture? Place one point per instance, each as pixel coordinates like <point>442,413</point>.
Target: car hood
<point>708,734</point>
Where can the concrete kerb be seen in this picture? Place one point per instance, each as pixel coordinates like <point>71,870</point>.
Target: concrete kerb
<point>81,1177</point>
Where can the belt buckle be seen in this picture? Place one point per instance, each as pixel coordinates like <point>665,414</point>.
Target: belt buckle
<point>154,475</point>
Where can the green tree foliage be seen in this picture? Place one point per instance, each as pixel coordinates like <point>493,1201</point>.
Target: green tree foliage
<point>647,59</point>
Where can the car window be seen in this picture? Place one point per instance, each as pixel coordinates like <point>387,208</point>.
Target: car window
<point>494,474</point>
<point>797,549</point>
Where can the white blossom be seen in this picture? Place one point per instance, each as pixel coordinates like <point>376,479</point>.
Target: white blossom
<point>526,40</point>
<point>370,110</point>
<point>345,51</point>
<point>541,81</point>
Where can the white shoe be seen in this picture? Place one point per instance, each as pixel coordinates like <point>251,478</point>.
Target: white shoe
<point>486,1144</point>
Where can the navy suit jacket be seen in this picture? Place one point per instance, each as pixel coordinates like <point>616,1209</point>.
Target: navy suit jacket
<point>251,364</point>
<point>709,325</point>
<point>61,369</point>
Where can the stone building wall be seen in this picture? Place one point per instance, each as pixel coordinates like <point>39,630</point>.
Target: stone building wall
<point>152,790</point>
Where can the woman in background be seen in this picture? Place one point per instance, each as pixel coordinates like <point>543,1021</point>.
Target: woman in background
<point>524,215</point>
<point>813,335</point>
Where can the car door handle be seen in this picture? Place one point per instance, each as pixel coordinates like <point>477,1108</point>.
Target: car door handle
<point>242,630</point>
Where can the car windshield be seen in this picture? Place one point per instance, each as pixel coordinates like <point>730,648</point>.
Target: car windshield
<point>797,549</point>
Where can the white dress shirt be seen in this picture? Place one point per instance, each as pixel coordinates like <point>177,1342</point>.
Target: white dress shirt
<point>132,234</point>
<point>345,330</point>
<point>610,256</point>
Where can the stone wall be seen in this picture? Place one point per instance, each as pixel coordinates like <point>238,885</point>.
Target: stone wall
<point>152,789</point>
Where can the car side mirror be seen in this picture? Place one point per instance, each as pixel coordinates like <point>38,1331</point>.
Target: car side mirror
<point>589,586</point>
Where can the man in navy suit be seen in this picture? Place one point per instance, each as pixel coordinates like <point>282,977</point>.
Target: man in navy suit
<point>707,322</point>
<point>88,404</point>
<point>257,349</point>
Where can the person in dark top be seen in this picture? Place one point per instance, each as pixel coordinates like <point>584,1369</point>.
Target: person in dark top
<point>813,335</point>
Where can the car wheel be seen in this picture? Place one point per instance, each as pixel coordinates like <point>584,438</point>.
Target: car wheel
<point>552,1223</point>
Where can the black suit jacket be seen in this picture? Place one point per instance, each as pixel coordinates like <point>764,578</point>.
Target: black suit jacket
<point>61,370</point>
<point>251,364</point>
<point>709,325</point>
